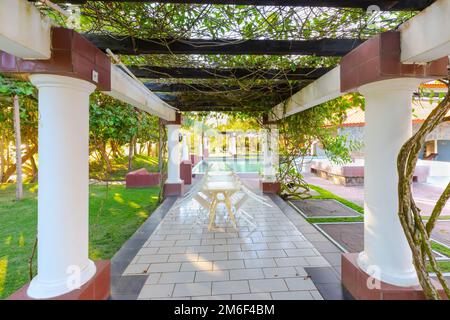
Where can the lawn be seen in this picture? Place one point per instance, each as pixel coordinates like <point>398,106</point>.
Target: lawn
<point>114,214</point>
<point>120,167</point>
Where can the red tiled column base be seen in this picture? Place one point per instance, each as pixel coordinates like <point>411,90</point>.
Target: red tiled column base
<point>186,171</point>
<point>173,189</point>
<point>142,178</point>
<point>354,279</point>
<point>270,187</point>
<point>98,288</point>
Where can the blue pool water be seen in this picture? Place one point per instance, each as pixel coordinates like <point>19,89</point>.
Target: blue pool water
<point>229,164</point>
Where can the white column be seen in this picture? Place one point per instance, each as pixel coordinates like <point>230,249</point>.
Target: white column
<point>185,148</point>
<point>63,197</point>
<point>205,144</point>
<point>275,159</point>
<point>268,168</point>
<point>200,146</point>
<point>173,143</point>
<point>233,149</point>
<point>388,114</point>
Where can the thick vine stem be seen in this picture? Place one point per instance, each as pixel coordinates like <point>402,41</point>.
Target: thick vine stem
<point>416,231</point>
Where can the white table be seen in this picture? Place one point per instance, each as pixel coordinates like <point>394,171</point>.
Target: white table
<point>213,189</point>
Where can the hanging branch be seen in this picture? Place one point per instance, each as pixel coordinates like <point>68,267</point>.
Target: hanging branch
<point>162,153</point>
<point>416,231</point>
<point>30,260</point>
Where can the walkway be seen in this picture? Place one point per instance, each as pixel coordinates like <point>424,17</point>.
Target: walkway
<point>266,257</point>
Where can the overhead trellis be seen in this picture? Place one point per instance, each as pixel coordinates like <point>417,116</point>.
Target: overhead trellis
<point>388,5</point>
<point>155,72</point>
<point>133,46</point>
<point>182,87</point>
<point>259,54</point>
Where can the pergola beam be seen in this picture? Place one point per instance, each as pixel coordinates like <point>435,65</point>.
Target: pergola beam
<point>387,5</point>
<point>426,37</point>
<point>127,89</point>
<point>23,31</point>
<point>153,72</point>
<point>184,87</point>
<point>132,46</point>
<point>325,88</point>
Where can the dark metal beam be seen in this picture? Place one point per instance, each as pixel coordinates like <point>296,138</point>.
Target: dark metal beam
<point>183,87</point>
<point>132,46</point>
<point>389,5</point>
<point>153,72</point>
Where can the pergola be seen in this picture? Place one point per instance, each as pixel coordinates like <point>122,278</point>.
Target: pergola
<point>67,67</point>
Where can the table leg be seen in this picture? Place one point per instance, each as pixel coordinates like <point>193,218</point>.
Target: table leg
<point>212,213</point>
<point>229,208</point>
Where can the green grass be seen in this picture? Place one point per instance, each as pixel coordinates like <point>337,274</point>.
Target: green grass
<point>120,167</point>
<point>114,214</point>
<point>440,218</point>
<point>343,219</point>
<point>325,194</point>
<point>444,265</point>
<point>440,248</point>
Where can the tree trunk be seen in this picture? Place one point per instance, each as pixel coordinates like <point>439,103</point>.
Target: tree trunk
<point>116,152</point>
<point>160,146</point>
<point>19,182</point>
<point>2,158</point>
<point>130,154</point>
<point>12,168</point>
<point>135,148</point>
<point>34,168</point>
<point>102,149</point>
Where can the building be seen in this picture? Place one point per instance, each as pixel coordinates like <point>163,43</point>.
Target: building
<point>437,145</point>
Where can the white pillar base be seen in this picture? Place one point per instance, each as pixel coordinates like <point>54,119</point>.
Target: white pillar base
<point>406,278</point>
<point>41,289</point>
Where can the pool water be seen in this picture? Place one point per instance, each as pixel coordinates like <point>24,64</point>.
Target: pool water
<point>229,164</point>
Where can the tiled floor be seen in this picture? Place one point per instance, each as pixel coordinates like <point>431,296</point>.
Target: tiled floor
<point>264,258</point>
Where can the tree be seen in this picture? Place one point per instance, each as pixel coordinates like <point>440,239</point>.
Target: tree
<point>11,90</point>
<point>297,134</point>
<point>418,232</point>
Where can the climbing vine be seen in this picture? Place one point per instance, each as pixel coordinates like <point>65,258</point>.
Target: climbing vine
<point>417,231</point>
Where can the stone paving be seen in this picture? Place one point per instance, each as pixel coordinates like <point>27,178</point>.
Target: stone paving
<point>263,258</point>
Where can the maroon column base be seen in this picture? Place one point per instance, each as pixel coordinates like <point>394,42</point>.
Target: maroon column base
<point>186,171</point>
<point>270,187</point>
<point>173,189</point>
<point>98,288</point>
<point>354,279</point>
<point>142,178</point>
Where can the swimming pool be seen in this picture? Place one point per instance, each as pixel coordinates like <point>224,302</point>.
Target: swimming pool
<point>229,164</point>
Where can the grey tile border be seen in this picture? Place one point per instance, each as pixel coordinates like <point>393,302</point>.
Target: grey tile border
<point>128,287</point>
<point>317,239</point>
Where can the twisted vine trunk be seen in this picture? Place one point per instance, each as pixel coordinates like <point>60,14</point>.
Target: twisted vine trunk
<point>161,156</point>
<point>19,176</point>
<point>418,232</point>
